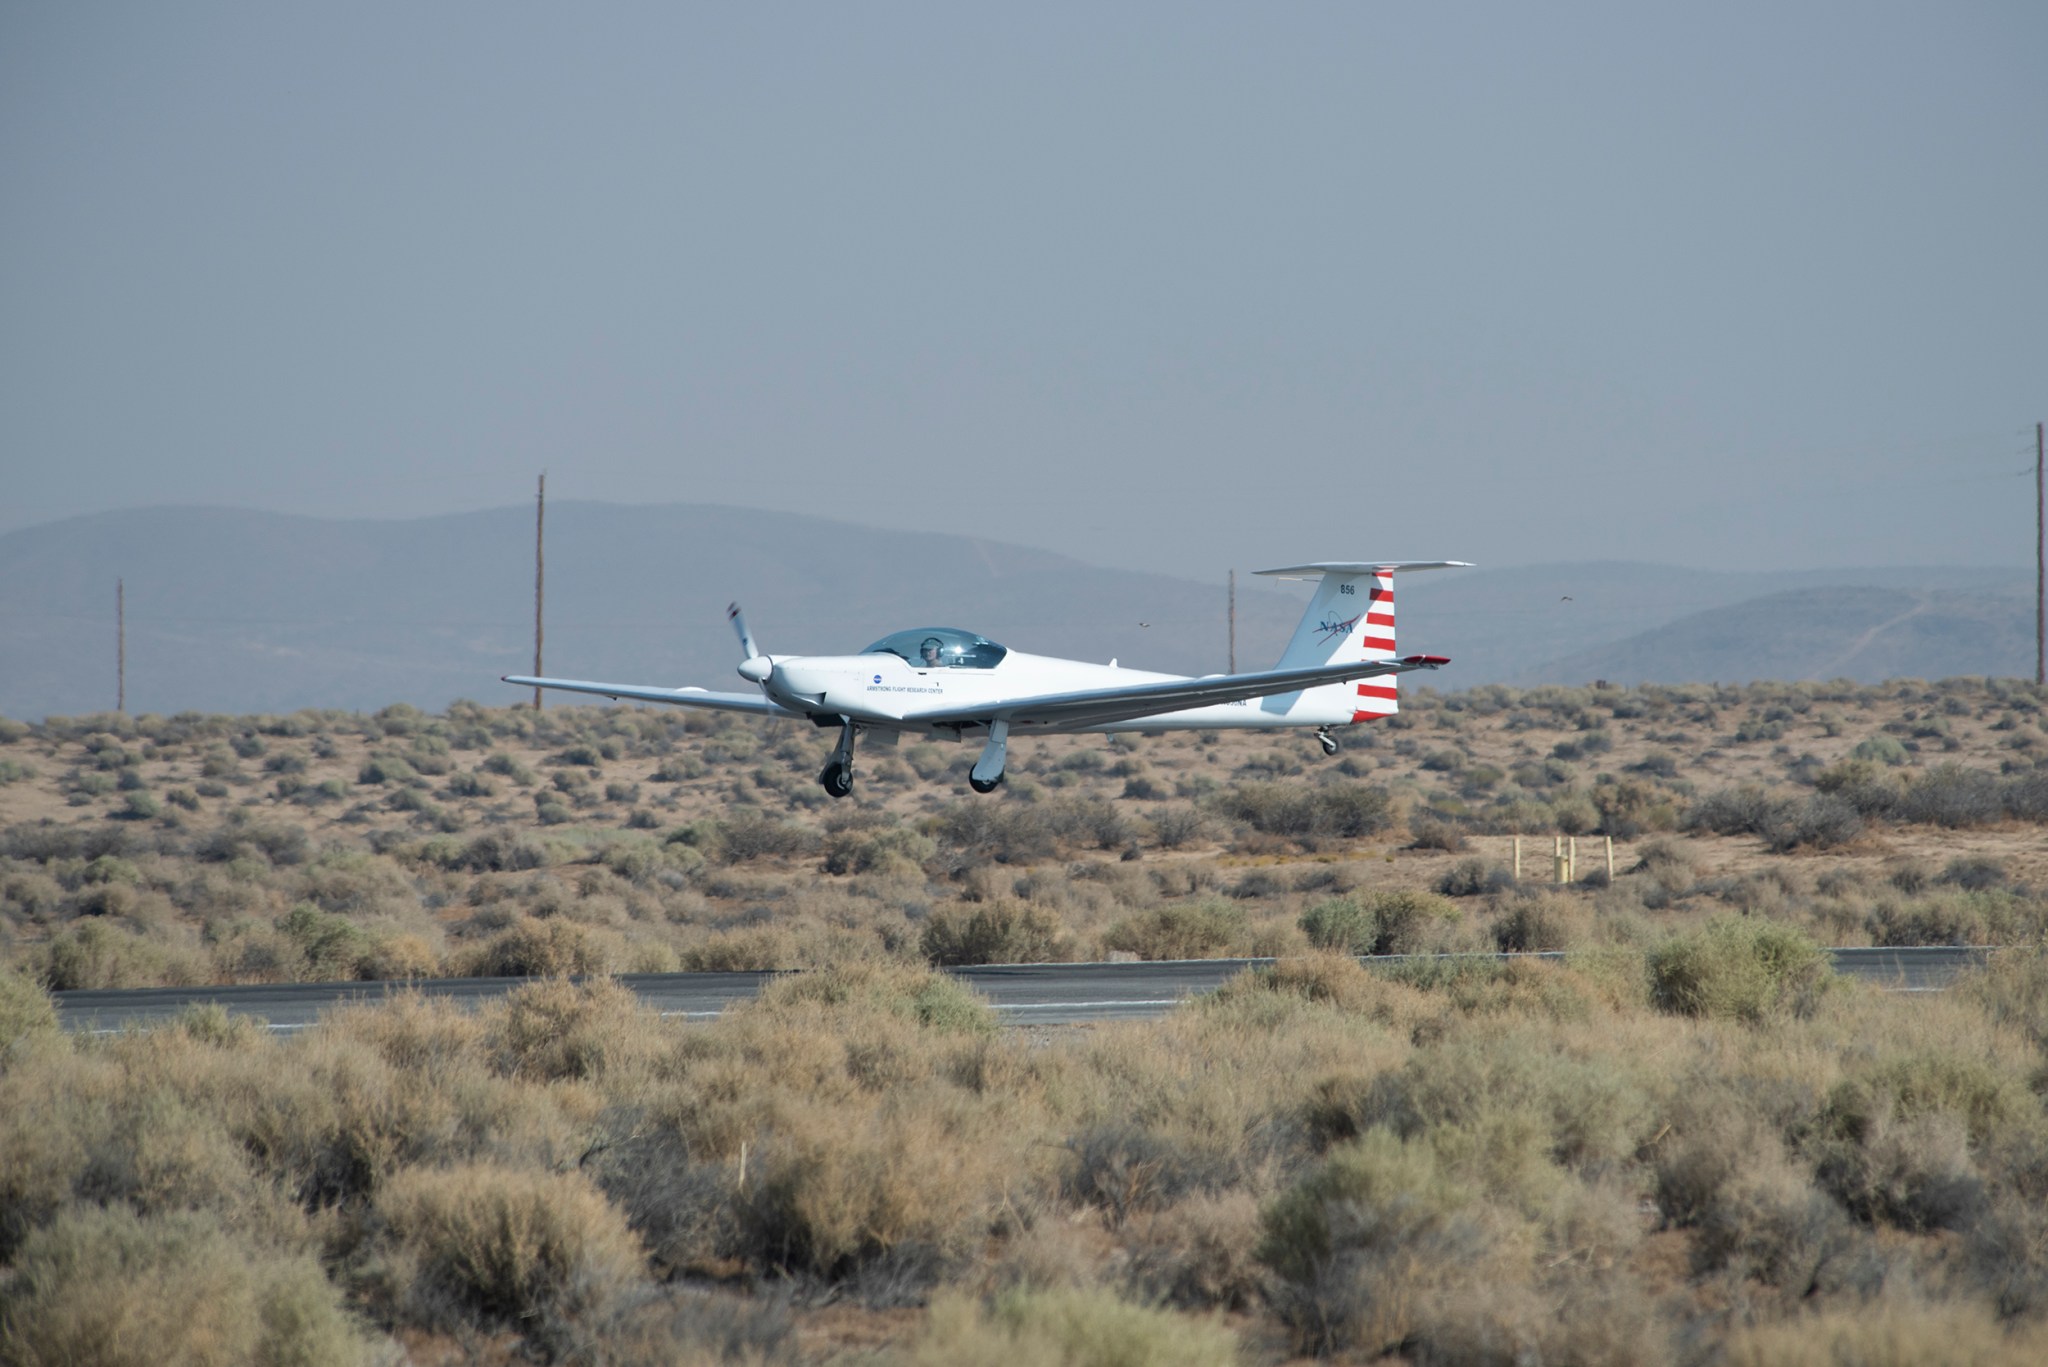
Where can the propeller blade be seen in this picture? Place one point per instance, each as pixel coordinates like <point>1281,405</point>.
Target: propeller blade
<point>739,625</point>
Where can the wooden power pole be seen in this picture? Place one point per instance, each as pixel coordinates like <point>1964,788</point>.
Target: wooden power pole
<point>120,646</point>
<point>1233,623</point>
<point>2040,572</point>
<point>540,520</point>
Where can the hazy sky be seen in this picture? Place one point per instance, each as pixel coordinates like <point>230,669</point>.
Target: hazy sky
<point>1174,286</point>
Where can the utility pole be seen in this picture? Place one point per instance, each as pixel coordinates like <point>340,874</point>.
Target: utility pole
<point>120,646</point>
<point>1233,623</point>
<point>540,519</point>
<point>2040,572</point>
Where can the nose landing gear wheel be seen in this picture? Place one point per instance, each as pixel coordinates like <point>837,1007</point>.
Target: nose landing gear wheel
<point>987,787</point>
<point>1327,741</point>
<point>837,779</point>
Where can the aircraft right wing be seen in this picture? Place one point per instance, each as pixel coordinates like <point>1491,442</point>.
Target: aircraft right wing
<point>683,697</point>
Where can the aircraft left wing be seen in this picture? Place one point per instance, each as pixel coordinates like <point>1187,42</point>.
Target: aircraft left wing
<point>683,697</point>
<point>1097,706</point>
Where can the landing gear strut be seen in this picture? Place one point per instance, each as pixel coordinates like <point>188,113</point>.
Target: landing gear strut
<point>987,774</point>
<point>836,778</point>
<point>1326,740</point>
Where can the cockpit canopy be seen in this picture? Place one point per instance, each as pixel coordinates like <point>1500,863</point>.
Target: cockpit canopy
<point>940,648</point>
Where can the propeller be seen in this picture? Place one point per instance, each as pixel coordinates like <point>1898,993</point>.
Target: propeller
<point>754,666</point>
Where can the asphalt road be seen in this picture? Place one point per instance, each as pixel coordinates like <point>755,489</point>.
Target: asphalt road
<point>1044,994</point>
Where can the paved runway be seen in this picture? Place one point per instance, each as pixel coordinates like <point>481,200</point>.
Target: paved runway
<point>1045,994</point>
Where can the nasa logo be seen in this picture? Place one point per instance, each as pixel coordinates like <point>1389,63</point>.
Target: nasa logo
<point>878,678</point>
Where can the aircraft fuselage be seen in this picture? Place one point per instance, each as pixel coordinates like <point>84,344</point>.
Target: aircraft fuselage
<point>883,690</point>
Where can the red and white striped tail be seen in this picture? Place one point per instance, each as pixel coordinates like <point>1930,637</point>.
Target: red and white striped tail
<point>1377,697</point>
<point>1351,617</point>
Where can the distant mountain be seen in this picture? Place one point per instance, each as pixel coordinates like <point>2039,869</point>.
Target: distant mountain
<point>232,610</point>
<point>239,611</point>
<point>1866,634</point>
<point>1555,623</point>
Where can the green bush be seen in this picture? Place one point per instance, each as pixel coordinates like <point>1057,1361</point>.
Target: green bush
<point>1741,968</point>
<point>1340,924</point>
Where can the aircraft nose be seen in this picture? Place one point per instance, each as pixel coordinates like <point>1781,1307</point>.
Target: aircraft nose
<point>757,669</point>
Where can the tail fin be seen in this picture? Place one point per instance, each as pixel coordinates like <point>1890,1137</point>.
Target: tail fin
<point>1351,617</point>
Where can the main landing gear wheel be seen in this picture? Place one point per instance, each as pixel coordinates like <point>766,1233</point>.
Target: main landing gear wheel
<point>837,779</point>
<point>987,787</point>
<point>837,776</point>
<point>1327,741</point>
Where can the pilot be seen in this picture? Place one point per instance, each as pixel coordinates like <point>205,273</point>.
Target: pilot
<point>929,650</point>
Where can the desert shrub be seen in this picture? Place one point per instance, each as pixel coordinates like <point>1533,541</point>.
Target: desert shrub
<point>890,849</point>
<point>938,1001</point>
<point>1472,877</point>
<point>1430,833</point>
<point>534,948</point>
<point>498,852</point>
<point>1387,922</point>
<point>1403,919</point>
<point>1336,811</point>
<point>281,845</point>
<point>104,1285</point>
<point>385,768</point>
<point>1886,1333</point>
<point>1747,810</point>
<point>2006,1254</point>
<point>1175,827</point>
<point>1341,923</point>
<point>506,766</point>
<point>333,947</point>
<point>741,951</point>
<point>1626,809</point>
<point>1122,1169</point>
<point>25,1012</point>
<point>560,1029</point>
<point>1721,1170</point>
<point>1975,873</point>
<point>1008,832</point>
<point>1822,822</point>
<point>747,836</point>
<point>1913,1172</point>
<point>470,785</point>
<point>1204,929</point>
<point>1742,968</point>
<point>1864,785</point>
<point>502,1248</point>
<point>1950,795</point>
<point>1073,1327</point>
<point>994,933</point>
<point>95,954</point>
<point>1541,922</point>
<point>1881,750</point>
<point>1333,977</point>
<point>1198,1253</point>
<point>1948,919</point>
<point>1371,1246</point>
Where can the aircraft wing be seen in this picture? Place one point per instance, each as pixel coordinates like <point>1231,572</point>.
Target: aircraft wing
<point>682,697</point>
<point>1096,706</point>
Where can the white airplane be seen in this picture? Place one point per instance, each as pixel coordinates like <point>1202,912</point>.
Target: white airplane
<point>948,684</point>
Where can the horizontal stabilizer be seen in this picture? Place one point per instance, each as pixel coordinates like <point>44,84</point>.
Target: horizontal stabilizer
<point>1323,567</point>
